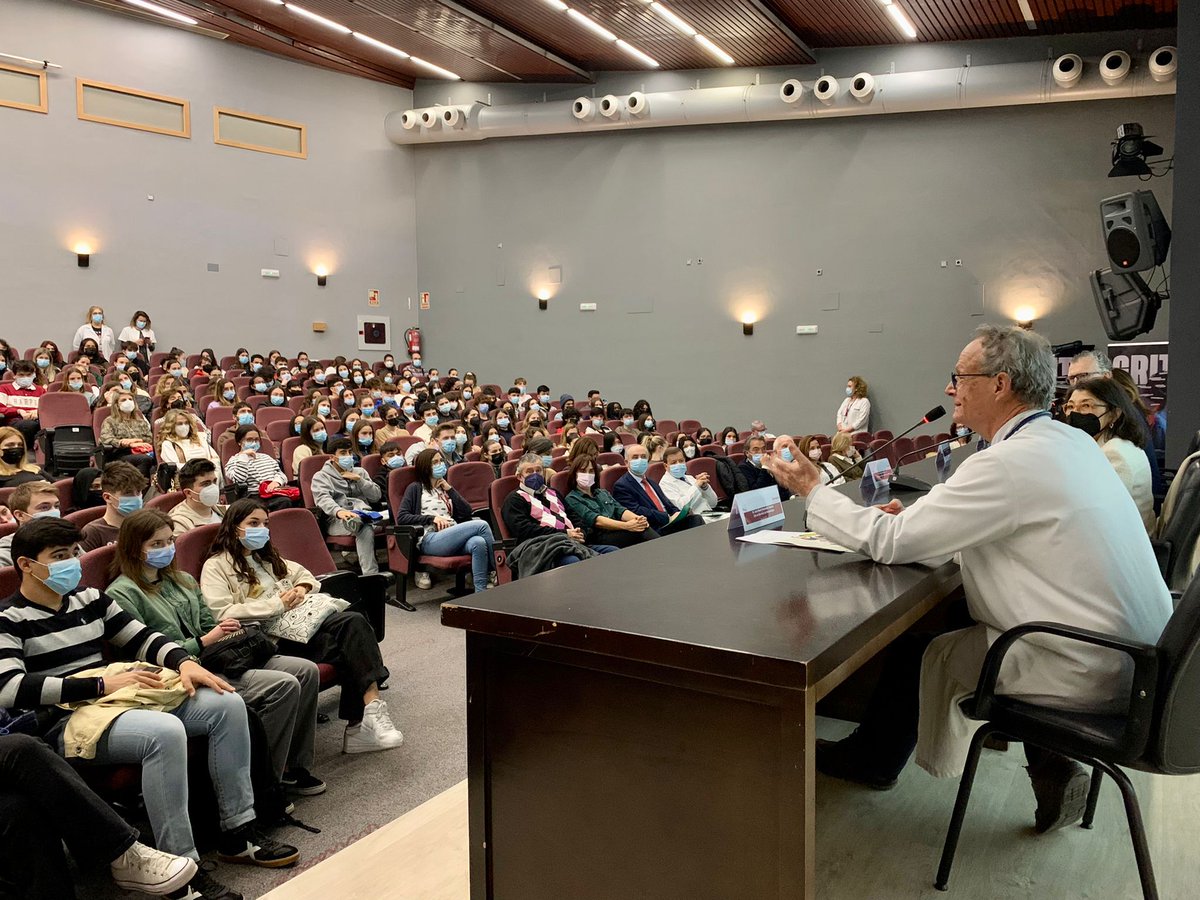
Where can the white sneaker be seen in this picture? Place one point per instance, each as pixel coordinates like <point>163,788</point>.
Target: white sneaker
<point>142,868</point>
<point>423,580</point>
<point>376,732</point>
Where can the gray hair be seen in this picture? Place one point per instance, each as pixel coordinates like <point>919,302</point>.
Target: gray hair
<point>1025,356</point>
<point>1103,363</point>
<point>529,459</point>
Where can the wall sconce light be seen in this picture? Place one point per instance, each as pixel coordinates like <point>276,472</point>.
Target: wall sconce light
<point>322,274</point>
<point>83,255</point>
<point>1025,316</point>
<point>748,324</point>
<point>543,299</point>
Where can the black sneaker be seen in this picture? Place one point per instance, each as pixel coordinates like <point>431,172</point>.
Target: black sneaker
<point>302,782</point>
<point>204,887</point>
<point>250,847</point>
<point>1061,796</point>
<point>837,759</point>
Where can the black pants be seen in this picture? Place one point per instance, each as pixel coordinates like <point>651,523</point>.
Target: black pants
<point>29,429</point>
<point>888,733</point>
<point>613,538</point>
<point>682,525</point>
<point>43,804</point>
<point>346,641</point>
<point>140,461</point>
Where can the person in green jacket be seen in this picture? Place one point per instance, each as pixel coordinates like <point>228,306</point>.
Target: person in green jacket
<point>603,519</point>
<point>283,693</point>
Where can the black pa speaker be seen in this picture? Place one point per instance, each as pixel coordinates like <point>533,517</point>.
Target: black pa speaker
<point>1126,304</point>
<point>1136,234</point>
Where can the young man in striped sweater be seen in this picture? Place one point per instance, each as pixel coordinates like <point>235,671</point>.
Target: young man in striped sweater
<point>50,630</point>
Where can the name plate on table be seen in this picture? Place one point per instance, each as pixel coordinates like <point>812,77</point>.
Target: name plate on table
<point>944,461</point>
<point>756,509</point>
<point>876,481</point>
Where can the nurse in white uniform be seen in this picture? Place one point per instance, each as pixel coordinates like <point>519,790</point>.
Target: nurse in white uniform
<point>1044,530</point>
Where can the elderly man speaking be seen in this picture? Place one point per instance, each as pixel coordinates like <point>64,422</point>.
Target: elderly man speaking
<point>1044,530</point>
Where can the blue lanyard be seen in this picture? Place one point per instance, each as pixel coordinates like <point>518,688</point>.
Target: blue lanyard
<point>1040,415</point>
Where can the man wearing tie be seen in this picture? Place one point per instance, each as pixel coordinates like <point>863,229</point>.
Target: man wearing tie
<point>1044,531</point>
<point>643,496</point>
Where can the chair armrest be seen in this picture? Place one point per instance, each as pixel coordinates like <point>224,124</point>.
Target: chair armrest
<point>340,584</point>
<point>406,537</point>
<point>1145,671</point>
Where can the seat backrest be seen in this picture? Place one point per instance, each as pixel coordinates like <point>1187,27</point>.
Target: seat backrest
<point>296,536</point>
<point>308,468</point>
<point>1175,740</point>
<point>66,494</point>
<point>610,459</point>
<point>690,426</point>
<point>7,528</point>
<point>279,430</point>
<point>666,425</point>
<point>97,566</point>
<point>559,463</point>
<point>9,582</point>
<point>1180,527</point>
<point>472,480</point>
<point>191,548</point>
<point>64,409</point>
<point>509,466</point>
<point>5,494</point>
<point>99,414</point>
<point>518,442</point>
<point>558,484</point>
<point>656,471</point>
<point>265,415</point>
<point>166,502</point>
<point>708,466</point>
<point>215,415</point>
<point>372,462</point>
<point>610,476</point>
<point>81,517</point>
<point>398,482</point>
<point>498,492</point>
<point>289,449</point>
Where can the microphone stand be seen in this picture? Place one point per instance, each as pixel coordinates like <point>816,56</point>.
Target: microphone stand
<point>907,482</point>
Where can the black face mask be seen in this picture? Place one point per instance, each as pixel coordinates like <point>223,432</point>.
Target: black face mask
<point>704,441</point>
<point>179,404</point>
<point>1085,422</point>
<point>12,455</point>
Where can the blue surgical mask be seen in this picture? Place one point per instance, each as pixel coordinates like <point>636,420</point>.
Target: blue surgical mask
<point>97,319</point>
<point>251,446</point>
<point>449,445</point>
<point>245,418</point>
<point>160,557</point>
<point>460,440</point>
<point>120,367</point>
<point>43,363</point>
<point>627,422</point>
<point>64,576</point>
<point>431,420</point>
<point>534,405</point>
<point>257,367</point>
<point>467,394</point>
<point>25,382</point>
<point>395,462</point>
<point>483,408</point>
<point>406,386</point>
<point>358,379</point>
<point>444,408</point>
<point>649,424</point>
<point>229,395</point>
<point>55,513</point>
<point>544,398</point>
<point>377,394</point>
<point>126,385</point>
<point>323,409</point>
<point>849,392</point>
<point>546,460</point>
<point>368,409</point>
<point>535,482</point>
<point>365,441</point>
<point>408,410</point>
<point>502,421</point>
<point>75,385</point>
<point>346,462</point>
<point>296,428</point>
<point>319,377</point>
<point>320,436</point>
<point>639,466</point>
<point>175,373</point>
<point>756,459</point>
<point>243,359</point>
<point>439,470</point>
<point>261,388</point>
<point>786,454</point>
<point>256,538</point>
<point>127,505</point>
<point>618,448</point>
<point>678,469</point>
<point>278,401</point>
<point>142,323</point>
<point>523,388</point>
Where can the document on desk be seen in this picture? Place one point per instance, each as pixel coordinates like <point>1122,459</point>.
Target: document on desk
<point>807,539</point>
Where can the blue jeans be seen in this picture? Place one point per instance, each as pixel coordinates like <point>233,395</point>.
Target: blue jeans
<point>595,548</point>
<point>158,742</point>
<point>474,537</point>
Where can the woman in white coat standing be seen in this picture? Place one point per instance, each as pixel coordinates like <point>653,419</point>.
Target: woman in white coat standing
<point>855,412</point>
<point>94,327</point>
<point>139,332</point>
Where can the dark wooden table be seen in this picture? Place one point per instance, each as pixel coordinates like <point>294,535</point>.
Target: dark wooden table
<point>642,725</point>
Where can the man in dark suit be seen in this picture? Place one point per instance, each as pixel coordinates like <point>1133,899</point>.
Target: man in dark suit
<point>643,496</point>
<point>752,467</point>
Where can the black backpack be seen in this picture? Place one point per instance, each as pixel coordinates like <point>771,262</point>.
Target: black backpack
<point>732,480</point>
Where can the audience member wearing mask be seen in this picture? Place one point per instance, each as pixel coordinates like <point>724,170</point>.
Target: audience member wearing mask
<point>342,490</point>
<point>429,421</point>
<point>844,455</point>
<point>362,439</point>
<point>391,457</point>
<point>644,497</point>
<point>812,449</point>
<point>728,437</point>
<point>250,468</point>
<point>125,434</point>
<point>15,466</point>
<point>537,518</point>
<point>392,428</point>
<point>224,393</point>
<point>180,440</point>
<point>601,518</point>
<point>199,480</point>
<point>1101,408</point>
<point>449,528</point>
<point>19,401</point>
<point>93,327</point>
<point>613,444</point>
<point>76,380</point>
<point>684,490</point>
<point>494,454</point>
<point>29,501</point>
<point>755,472</point>
<point>123,489</point>
<point>628,423</point>
<point>855,412</point>
<point>704,437</point>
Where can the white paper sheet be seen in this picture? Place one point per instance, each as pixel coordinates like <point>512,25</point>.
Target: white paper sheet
<point>807,539</point>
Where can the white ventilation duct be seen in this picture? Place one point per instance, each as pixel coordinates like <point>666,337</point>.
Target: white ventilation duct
<point>964,87</point>
<point>862,88</point>
<point>409,119</point>
<point>1164,62</point>
<point>454,116</point>
<point>636,103</point>
<point>1068,70</point>
<point>1115,66</point>
<point>431,118</point>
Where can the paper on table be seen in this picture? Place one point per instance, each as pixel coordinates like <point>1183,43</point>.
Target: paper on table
<point>807,539</point>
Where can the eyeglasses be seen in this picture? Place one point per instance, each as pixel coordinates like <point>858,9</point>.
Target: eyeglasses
<point>954,376</point>
<point>1082,376</point>
<point>1085,406</point>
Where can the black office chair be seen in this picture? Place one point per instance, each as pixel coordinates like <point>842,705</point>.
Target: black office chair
<point>1159,734</point>
<point>1178,532</point>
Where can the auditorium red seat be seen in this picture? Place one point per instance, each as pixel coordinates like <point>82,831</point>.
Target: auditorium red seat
<point>706,465</point>
<point>473,480</point>
<point>81,517</point>
<point>191,549</point>
<point>610,476</point>
<point>403,555</point>
<point>166,502</point>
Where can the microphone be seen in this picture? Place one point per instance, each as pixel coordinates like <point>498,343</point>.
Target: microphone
<point>924,451</point>
<point>904,482</point>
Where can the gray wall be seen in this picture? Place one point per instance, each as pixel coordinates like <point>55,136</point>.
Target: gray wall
<point>350,202</point>
<point>875,203</point>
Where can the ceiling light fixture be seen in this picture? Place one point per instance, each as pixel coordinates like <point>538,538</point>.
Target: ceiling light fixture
<point>559,5</point>
<point>320,20</point>
<point>163,11</point>
<point>714,50</point>
<point>637,54</point>
<point>899,18</point>
<point>683,27</point>
<point>596,28</point>
<point>673,19</point>
<point>591,24</point>
<point>380,45</point>
<point>437,70</point>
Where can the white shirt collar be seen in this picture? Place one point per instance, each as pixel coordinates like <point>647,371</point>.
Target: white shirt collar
<point>1007,428</point>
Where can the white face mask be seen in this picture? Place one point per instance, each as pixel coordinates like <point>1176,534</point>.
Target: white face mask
<point>585,479</point>
<point>814,454</point>
<point>126,406</point>
<point>183,430</point>
<point>210,495</point>
<point>689,452</point>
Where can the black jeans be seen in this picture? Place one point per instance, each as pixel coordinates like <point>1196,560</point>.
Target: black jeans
<point>682,525</point>
<point>43,804</point>
<point>346,641</point>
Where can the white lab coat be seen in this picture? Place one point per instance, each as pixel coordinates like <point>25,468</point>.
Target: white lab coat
<point>106,341</point>
<point>854,412</point>
<point>1133,468</point>
<point>685,492</point>
<point>130,334</point>
<point>1045,531</point>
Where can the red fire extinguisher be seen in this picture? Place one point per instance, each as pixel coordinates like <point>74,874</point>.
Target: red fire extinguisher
<point>412,337</point>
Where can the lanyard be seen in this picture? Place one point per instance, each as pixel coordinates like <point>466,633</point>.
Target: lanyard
<point>1040,415</point>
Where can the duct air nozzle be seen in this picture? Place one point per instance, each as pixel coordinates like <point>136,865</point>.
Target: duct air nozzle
<point>826,89</point>
<point>636,103</point>
<point>862,88</point>
<point>791,91</point>
<point>610,106</point>
<point>1068,69</point>
<point>1164,62</point>
<point>583,108</point>
<point>410,119</point>
<point>453,117</point>
<point>1115,66</point>
<point>430,118</point>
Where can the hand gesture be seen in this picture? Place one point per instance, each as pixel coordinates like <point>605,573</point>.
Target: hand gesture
<point>222,628</point>
<point>293,597</point>
<point>442,522</point>
<point>346,514</point>
<point>351,475</point>
<point>637,523</point>
<point>702,480</point>
<point>575,534</point>
<point>799,476</point>
<point>139,677</point>
<point>192,675</point>
<point>892,507</point>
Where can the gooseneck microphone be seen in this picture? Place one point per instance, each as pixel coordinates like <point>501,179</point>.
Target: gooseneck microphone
<point>903,482</point>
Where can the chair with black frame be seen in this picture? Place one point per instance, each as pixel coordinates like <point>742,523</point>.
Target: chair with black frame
<point>1157,734</point>
<point>1178,534</point>
<point>403,554</point>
